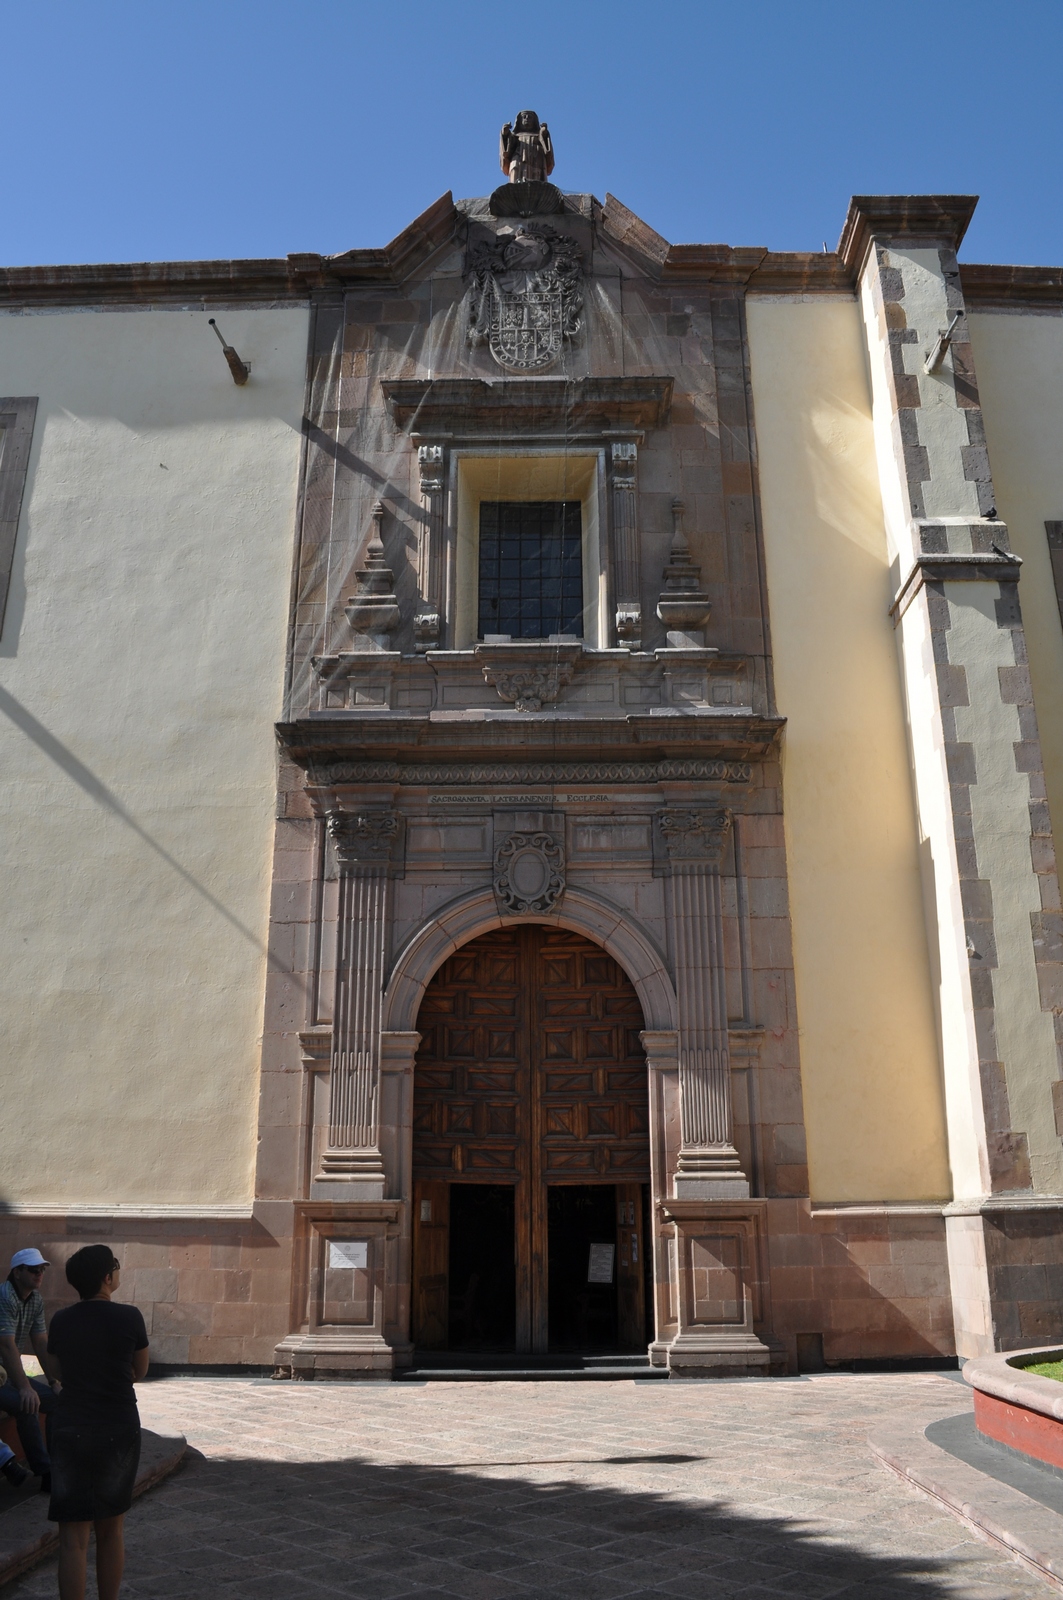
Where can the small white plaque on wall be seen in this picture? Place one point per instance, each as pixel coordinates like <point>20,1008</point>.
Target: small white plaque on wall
<point>346,1254</point>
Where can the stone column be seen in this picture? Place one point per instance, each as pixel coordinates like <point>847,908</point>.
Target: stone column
<point>352,1157</point>
<point>979,783</point>
<point>427,624</point>
<point>626,556</point>
<point>709,1167</point>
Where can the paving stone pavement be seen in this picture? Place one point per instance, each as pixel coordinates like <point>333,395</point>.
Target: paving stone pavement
<point>509,1491</point>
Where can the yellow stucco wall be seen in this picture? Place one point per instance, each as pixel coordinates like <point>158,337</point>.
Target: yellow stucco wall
<point>869,1054</point>
<point>1019,362</point>
<point>141,665</point>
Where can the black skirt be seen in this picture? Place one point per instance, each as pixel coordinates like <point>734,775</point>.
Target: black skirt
<point>94,1469</point>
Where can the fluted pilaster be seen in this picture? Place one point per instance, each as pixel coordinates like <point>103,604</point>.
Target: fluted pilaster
<point>709,1165</point>
<point>427,626</point>
<point>363,846</point>
<point>627,562</point>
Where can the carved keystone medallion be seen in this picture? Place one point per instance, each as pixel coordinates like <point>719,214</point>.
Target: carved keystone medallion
<point>529,872</point>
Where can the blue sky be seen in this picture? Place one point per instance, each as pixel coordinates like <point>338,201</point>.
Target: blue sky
<point>222,128</point>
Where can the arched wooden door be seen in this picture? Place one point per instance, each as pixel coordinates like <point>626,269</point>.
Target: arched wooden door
<point>530,1075</point>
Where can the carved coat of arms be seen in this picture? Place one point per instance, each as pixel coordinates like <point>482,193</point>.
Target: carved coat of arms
<point>527,295</point>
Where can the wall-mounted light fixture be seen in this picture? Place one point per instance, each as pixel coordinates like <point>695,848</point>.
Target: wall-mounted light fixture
<point>239,369</point>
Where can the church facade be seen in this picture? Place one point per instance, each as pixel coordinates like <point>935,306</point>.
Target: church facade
<point>529,791</point>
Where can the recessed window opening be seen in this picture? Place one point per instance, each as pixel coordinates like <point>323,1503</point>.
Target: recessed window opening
<point>531,568</point>
<point>534,499</point>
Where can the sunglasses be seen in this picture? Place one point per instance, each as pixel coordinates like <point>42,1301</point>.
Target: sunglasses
<point>38,1272</point>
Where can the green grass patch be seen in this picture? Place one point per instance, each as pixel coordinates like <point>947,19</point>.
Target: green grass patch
<point>1047,1369</point>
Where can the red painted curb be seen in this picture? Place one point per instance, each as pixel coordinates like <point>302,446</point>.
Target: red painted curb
<point>1030,1432</point>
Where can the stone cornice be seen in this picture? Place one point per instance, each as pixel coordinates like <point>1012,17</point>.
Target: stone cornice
<point>955,567</point>
<point>1012,288</point>
<point>402,737</point>
<point>271,279</point>
<point>296,277</point>
<point>943,218</point>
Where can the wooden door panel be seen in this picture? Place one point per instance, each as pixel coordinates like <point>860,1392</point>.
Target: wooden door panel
<point>530,1070</point>
<point>431,1252</point>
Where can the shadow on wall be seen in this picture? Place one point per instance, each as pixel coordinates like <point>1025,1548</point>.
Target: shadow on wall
<point>98,791</point>
<point>349,1528</point>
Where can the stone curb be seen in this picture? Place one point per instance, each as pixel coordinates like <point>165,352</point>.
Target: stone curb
<point>995,1375</point>
<point>26,1535</point>
<point>1004,1515</point>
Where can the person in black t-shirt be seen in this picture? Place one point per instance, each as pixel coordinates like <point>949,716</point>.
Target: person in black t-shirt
<point>101,1350</point>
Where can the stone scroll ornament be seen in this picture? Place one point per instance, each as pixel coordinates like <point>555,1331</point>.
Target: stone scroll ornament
<point>526,295</point>
<point>529,872</point>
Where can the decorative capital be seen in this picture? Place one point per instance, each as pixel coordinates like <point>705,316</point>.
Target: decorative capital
<point>430,467</point>
<point>363,838</point>
<point>629,623</point>
<point>529,872</point>
<point>625,455</point>
<point>695,835</point>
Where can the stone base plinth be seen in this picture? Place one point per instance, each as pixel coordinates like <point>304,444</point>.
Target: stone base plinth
<point>725,1356</point>
<point>338,1356</point>
<point>721,1287</point>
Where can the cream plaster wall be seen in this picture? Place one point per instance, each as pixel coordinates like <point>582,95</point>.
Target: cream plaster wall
<point>141,667</point>
<point>869,1056</point>
<point>1019,361</point>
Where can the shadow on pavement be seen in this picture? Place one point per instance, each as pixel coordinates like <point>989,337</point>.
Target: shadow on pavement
<point>303,1530</point>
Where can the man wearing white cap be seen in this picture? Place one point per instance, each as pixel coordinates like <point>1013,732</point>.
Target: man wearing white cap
<point>22,1318</point>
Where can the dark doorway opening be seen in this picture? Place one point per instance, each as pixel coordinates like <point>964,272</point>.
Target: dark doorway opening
<point>482,1312</point>
<point>581,1229</point>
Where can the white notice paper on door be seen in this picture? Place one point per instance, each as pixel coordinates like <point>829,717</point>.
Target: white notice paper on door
<point>600,1265</point>
<point>344,1254</point>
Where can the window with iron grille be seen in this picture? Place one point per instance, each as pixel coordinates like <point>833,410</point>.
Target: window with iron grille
<point>531,568</point>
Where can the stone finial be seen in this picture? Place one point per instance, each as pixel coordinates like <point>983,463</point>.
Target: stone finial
<point>373,612</point>
<point>684,606</point>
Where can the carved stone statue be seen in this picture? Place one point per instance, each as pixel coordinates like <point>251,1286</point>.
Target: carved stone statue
<point>525,150</point>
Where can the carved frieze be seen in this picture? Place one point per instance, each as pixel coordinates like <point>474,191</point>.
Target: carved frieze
<point>529,872</point>
<point>523,773</point>
<point>526,294</point>
<point>694,834</point>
